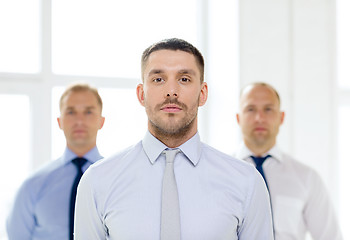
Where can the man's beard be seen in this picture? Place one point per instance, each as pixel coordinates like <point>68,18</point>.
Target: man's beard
<point>175,129</point>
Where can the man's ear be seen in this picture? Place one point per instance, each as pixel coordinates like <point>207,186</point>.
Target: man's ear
<point>204,94</point>
<point>140,94</point>
<point>102,122</point>
<point>59,122</point>
<point>237,118</point>
<point>282,117</point>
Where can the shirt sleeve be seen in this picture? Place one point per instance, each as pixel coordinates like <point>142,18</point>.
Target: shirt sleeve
<point>257,223</point>
<point>319,214</point>
<point>21,220</point>
<point>88,223</point>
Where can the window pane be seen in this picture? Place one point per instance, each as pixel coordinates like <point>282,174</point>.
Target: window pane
<point>19,42</point>
<point>15,153</point>
<point>343,39</point>
<point>106,37</point>
<point>125,124</point>
<point>344,166</point>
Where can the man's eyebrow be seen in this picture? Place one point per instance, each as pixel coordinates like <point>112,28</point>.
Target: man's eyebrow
<point>182,71</point>
<point>248,106</point>
<point>155,71</point>
<point>73,107</point>
<point>266,105</point>
<point>187,71</point>
<point>69,108</point>
<point>89,107</point>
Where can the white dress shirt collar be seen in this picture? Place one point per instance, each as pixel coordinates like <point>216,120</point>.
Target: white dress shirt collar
<point>153,148</point>
<point>92,156</point>
<point>244,153</point>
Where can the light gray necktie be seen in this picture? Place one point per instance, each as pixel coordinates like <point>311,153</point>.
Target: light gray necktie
<point>170,218</point>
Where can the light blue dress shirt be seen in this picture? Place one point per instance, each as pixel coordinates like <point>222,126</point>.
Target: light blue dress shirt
<point>221,198</point>
<point>41,207</point>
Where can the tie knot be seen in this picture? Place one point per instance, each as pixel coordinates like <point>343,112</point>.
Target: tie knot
<point>79,162</point>
<point>170,154</point>
<point>260,160</point>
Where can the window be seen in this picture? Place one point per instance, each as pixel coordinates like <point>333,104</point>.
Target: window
<point>20,43</point>
<point>15,135</point>
<point>101,38</point>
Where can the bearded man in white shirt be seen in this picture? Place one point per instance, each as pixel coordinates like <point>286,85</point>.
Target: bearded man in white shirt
<point>194,192</point>
<point>299,199</point>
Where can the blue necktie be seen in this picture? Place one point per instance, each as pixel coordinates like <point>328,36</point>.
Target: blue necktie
<point>78,162</point>
<point>259,162</point>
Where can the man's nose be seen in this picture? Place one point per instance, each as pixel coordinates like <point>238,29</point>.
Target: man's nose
<point>172,88</point>
<point>259,116</point>
<point>79,118</point>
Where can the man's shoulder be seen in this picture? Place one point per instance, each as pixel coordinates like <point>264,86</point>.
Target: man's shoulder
<point>116,159</point>
<point>46,169</point>
<point>102,174</point>
<point>237,173</point>
<point>42,176</point>
<point>226,158</point>
<point>302,168</point>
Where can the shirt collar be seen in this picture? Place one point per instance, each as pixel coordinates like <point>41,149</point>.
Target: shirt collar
<point>245,153</point>
<point>153,148</point>
<point>92,156</point>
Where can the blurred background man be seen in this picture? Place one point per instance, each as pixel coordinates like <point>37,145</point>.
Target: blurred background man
<point>299,199</point>
<point>44,205</point>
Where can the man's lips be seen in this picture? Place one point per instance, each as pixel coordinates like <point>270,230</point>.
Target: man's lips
<point>79,131</point>
<point>259,129</point>
<point>171,108</point>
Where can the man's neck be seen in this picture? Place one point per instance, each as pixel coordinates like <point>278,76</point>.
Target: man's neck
<point>172,140</point>
<point>259,150</point>
<point>79,150</point>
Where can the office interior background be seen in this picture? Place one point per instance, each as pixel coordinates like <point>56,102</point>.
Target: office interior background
<point>299,46</point>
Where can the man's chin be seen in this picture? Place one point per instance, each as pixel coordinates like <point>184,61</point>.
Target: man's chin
<point>171,129</point>
<point>260,140</point>
<point>80,142</point>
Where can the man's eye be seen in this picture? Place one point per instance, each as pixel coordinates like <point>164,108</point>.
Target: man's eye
<point>157,80</point>
<point>184,79</point>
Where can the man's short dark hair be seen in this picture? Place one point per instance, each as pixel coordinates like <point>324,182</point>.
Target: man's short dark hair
<point>174,44</point>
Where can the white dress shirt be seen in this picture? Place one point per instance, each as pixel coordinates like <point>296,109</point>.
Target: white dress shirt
<point>299,198</point>
<point>220,197</point>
